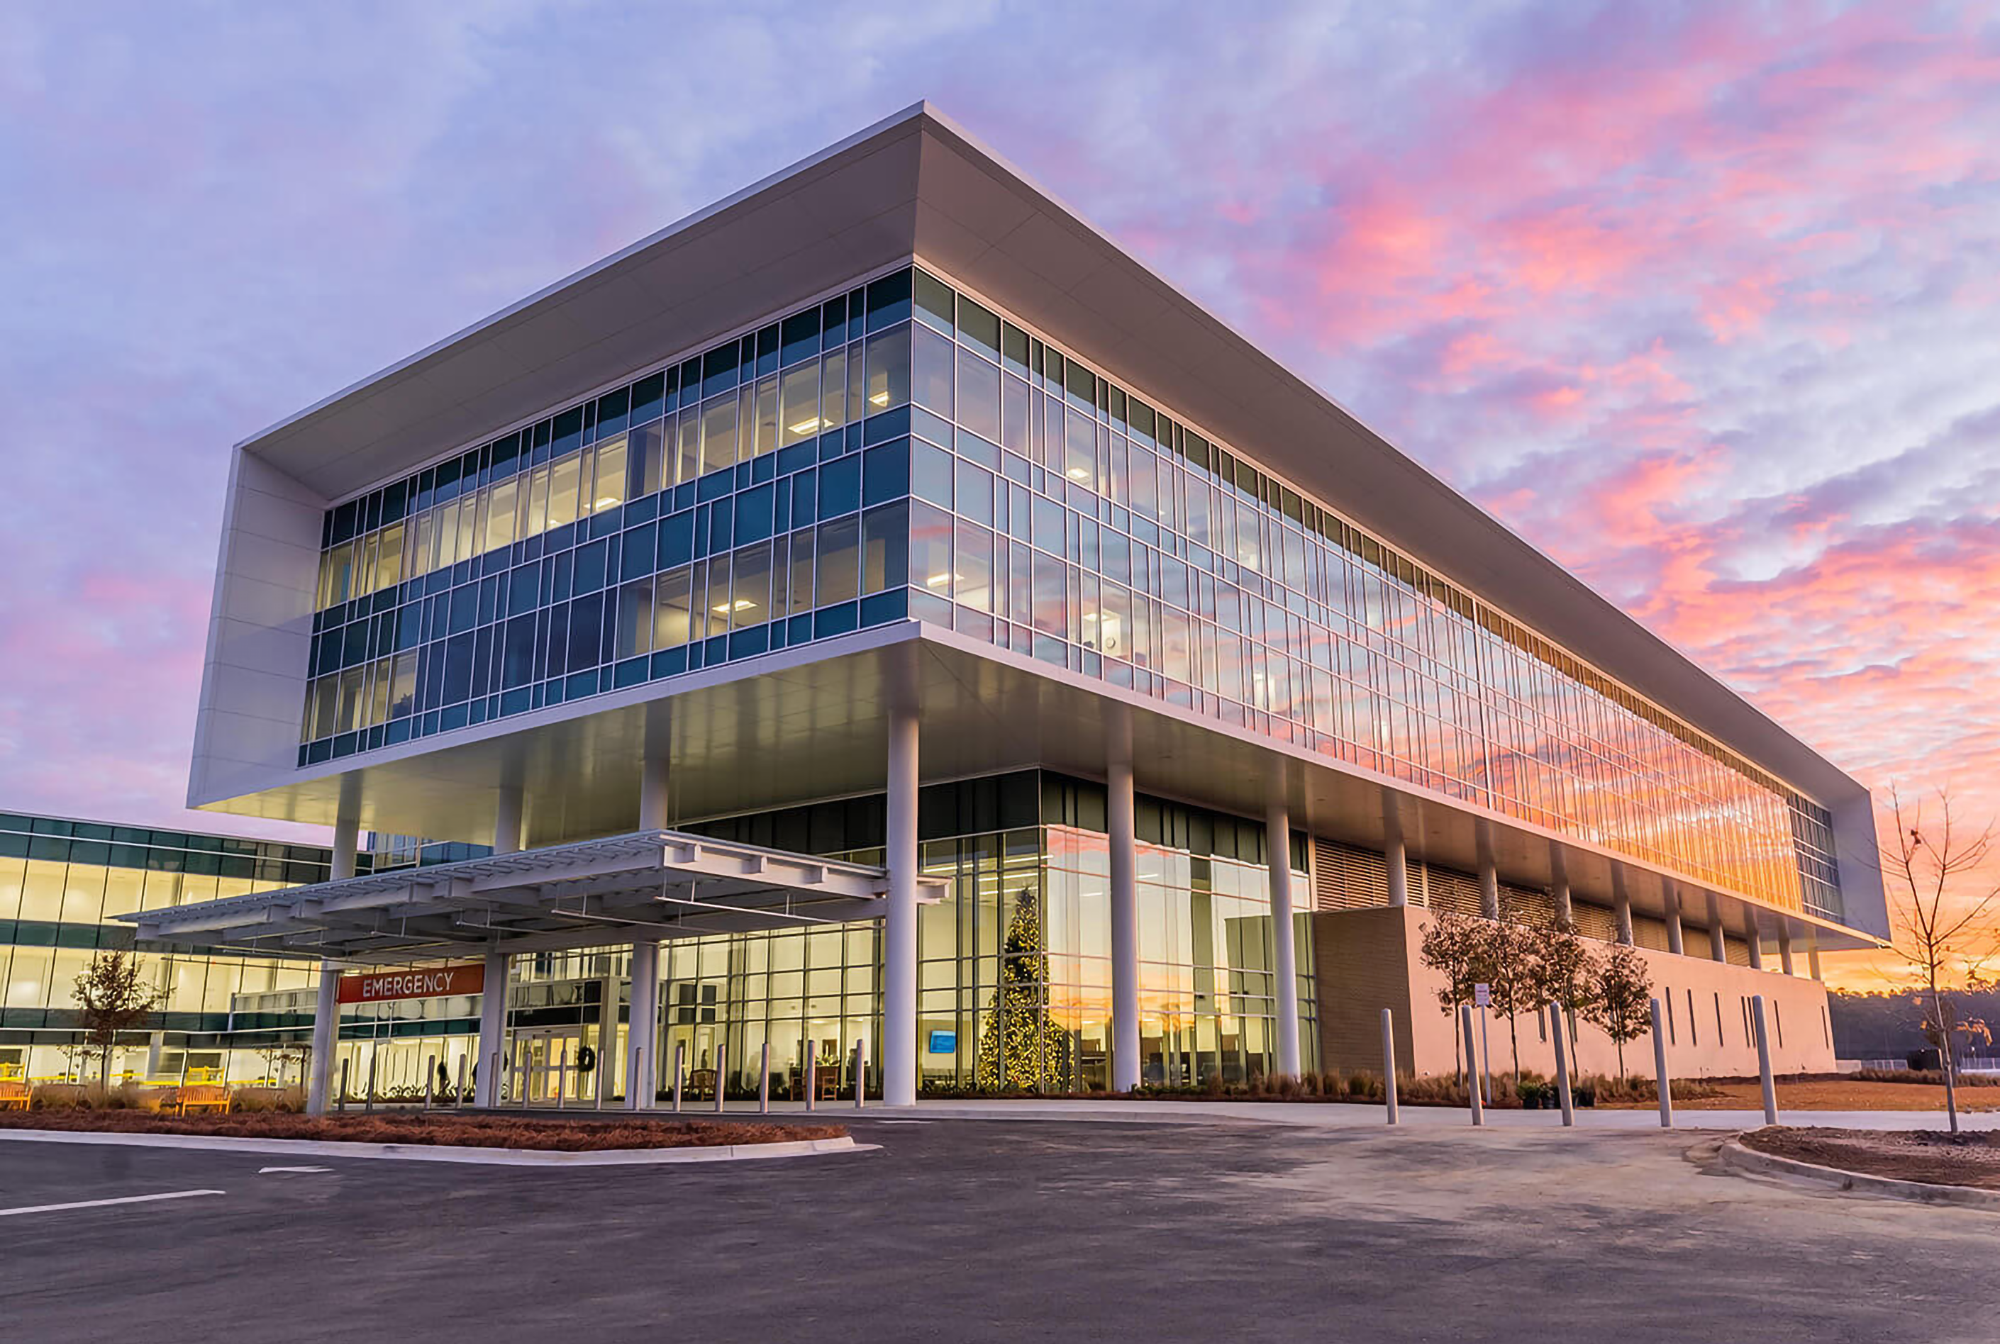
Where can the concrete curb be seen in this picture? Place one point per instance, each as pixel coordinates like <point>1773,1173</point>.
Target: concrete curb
<point>1736,1156</point>
<point>417,1152</point>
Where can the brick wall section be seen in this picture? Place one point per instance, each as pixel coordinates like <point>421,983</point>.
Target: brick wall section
<point>1367,961</point>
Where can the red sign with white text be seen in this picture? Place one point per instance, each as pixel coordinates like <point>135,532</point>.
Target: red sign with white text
<point>413,982</point>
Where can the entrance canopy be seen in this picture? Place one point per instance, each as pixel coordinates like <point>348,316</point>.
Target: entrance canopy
<point>649,884</point>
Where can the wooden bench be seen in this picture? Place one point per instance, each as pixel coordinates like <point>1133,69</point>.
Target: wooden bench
<point>14,1096</point>
<point>196,1097</point>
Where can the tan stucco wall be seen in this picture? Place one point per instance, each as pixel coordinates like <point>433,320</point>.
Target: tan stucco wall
<point>1366,960</point>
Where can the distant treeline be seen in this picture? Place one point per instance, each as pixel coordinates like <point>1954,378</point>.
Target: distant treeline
<point>1886,1025</point>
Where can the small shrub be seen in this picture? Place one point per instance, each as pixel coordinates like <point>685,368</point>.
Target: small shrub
<point>290,1100</point>
<point>1934,1077</point>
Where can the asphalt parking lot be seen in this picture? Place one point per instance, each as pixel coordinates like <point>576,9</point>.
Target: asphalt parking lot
<point>991,1230</point>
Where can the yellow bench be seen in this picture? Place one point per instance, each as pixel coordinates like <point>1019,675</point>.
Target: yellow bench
<point>196,1097</point>
<point>14,1096</point>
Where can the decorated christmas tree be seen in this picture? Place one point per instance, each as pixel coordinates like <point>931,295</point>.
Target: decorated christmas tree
<point>1020,1047</point>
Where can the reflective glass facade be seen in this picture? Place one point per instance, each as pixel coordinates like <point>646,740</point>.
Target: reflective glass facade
<point>1001,486</point>
<point>62,883</point>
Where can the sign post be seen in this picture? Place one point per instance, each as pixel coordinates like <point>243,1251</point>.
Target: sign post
<point>1482,998</point>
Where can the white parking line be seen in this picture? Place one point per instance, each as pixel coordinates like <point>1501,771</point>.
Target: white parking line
<point>99,1203</point>
<point>262,1171</point>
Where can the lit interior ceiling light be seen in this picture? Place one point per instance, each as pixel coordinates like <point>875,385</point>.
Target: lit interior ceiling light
<point>940,580</point>
<point>1078,473</point>
<point>879,399</point>
<point>805,426</point>
<point>740,604</point>
<point>606,501</point>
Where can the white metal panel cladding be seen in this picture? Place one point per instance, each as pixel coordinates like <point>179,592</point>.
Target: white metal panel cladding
<point>645,884</point>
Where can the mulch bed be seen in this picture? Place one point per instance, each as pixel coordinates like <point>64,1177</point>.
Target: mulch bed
<point>1932,1156</point>
<point>465,1131</point>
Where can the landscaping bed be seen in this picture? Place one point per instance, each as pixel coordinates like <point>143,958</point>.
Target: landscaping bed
<point>461,1131</point>
<point>1832,1092</point>
<point>1930,1156</point>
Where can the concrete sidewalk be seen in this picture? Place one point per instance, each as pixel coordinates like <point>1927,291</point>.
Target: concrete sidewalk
<point>1335,1115</point>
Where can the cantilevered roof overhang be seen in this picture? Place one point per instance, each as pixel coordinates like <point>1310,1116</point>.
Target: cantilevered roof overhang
<point>807,724</point>
<point>917,185</point>
<point>647,884</point>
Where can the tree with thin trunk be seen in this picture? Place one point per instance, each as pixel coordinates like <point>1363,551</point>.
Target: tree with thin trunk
<point>112,996</point>
<point>1451,947</point>
<point>1946,924</point>
<point>1565,974</point>
<point>1622,1003</point>
<point>1507,967</point>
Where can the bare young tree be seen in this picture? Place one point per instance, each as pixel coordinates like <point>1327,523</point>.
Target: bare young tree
<point>1622,999</point>
<point>1451,947</point>
<point>1945,920</point>
<point>111,996</point>
<point>1565,974</point>
<point>1506,963</point>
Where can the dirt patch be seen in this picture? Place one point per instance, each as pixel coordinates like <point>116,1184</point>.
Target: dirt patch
<point>1834,1095</point>
<point>464,1131</point>
<point>1931,1156</point>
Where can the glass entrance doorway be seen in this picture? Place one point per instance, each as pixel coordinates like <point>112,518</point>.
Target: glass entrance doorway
<point>546,1065</point>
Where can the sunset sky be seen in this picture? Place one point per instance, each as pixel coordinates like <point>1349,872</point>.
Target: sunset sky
<point>1704,301</point>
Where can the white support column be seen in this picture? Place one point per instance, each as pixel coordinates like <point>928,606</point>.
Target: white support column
<point>492,1058</point>
<point>326,1036</point>
<point>1812,956</point>
<point>1278,850</point>
<point>346,829</point>
<point>1395,857</point>
<point>1124,925</point>
<point>1673,900</point>
<point>1718,945</point>
<point>642,1033</point>
<point>607,1031</point>
<point>1753,938</point>
<point>899,931</point>
<point>1489,878</point>
<point>1559,883</point>
<point>1785,948</point>
<point>507,816</point>
<point>1621,904</point>
<point>653,811</point>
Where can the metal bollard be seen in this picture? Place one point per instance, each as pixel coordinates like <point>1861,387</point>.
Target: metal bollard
<point>860,1071</point>
<point>458,1097</point>
<point>812,1077</point>
<point>1389,1062</point>
<point>1472,1062</point>
<point>562,1076</point>
<point>368,1105</point>
<point>1660,1070</point>
<point>679,1076</point>
<point>634,1099</point>
<point>764,1083</point>
<point>493,1079</point>
<point>721,1071</point>
<point>1562,1065</point>
<point>430,1078</point>
<point>1764,1060</point>
<point>340,1105</point>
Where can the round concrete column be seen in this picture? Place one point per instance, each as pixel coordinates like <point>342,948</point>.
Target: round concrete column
<point>1278,846</point>
<point>492,1059</point>
<point>1674,941</point>
<point>507,816</point>
<point>1395,858</point>
<point>1124,926</point>
<point>643,1032</point>
<point>326,1036</point>
<point>899,932</point>
<point>1489,877</point>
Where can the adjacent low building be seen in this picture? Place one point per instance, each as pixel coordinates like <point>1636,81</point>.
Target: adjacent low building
<point>879,609</point>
